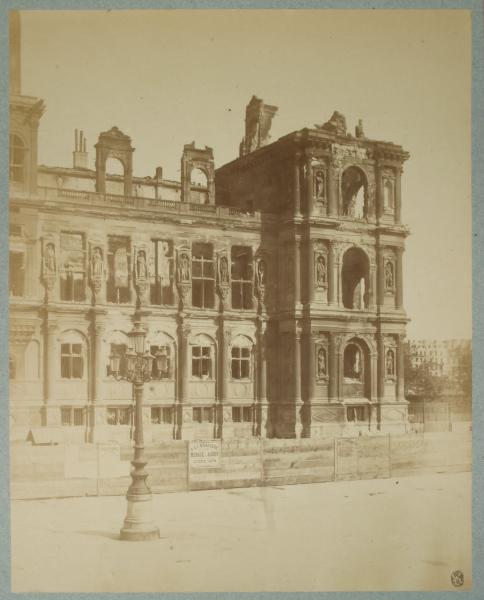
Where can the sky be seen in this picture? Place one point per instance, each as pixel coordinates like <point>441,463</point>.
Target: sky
<point>170,77</point>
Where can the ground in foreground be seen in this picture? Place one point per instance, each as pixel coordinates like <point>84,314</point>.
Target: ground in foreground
<point>387,534</point>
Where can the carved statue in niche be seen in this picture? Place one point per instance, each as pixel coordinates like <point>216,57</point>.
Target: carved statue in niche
<point>184,268</point>
<point>49,260</point>
<point>389,275</point>
<point>357,364</point>
<point>141,266</point>
<point>321,363</point>
<point>320,271</point>
<point>97,263</point>
<point>319,184</point>
<point>359,294</point>
<point>390,364</point>
<point>224,271</point>
<point>261,273</point>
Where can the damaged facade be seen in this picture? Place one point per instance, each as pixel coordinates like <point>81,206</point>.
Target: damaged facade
<point>272,284</point>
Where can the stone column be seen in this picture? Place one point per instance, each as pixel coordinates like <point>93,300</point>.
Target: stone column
<point>339,277</point>
<point>398,196</point>
<point>309,185</point>
<point>310,360</point>
<point>380,276</point>
<point>297,185</point>
<point>297,379</point>
<point>399,279</point>
<point>371,292</point>
<point>332,191</point>
<point>310,266</point>
<point>223,382</point>
<point>97,376</point>
<point>297,270</point>
<point>400,368</point>
<point>332,274</point>
<point>333,367</point>
<point>379,191</point>
<point>381,367</point>
<point>184,361</point>
<point>51,414</point>
<point>263,426</point>
<point>97,368</point>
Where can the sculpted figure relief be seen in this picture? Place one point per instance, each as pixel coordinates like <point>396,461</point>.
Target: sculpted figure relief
<point>320,270</point>
<point>141,266</point>
<point>224,271</point>
<point>390,363</point>
<point>389,275</point>
<point>49,259</point>
<point>321,363</point>
<point>261,273</point>
<point>184,268</point>
<point>97,263</point>
<point>319,184</point>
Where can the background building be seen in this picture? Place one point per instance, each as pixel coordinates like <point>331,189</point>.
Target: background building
<point>273,285</point>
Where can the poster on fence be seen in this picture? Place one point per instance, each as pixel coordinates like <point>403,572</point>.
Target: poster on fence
<point>205,453</point>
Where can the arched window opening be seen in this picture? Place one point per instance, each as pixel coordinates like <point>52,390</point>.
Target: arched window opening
<point>72,360</point>
<point>198,178</point>
<point>353,363</point>
<point>17,159</point>
<point>202,357</point>
<point>241,358</point>
<point>354,192</point>
<point>355,275</point>
<point>114,166</point>
<point>388,195</point>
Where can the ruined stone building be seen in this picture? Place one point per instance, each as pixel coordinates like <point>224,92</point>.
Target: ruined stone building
<point>272,284</point>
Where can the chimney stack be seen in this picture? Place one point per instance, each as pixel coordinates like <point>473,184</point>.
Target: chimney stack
<point>258,121</point>
<point>79,154</point>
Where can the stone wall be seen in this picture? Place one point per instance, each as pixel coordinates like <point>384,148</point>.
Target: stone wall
<point>103,469</point>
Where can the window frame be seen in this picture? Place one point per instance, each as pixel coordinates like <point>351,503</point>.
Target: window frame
<point>16,144</point>
<point>113,293</point>
<point>72,289</point>
<point>158,294</point>
<point>202,359</point>
<point>166,415</point>
<point>67,360</point>
<point>242,287</point>
<point>241,363</point>
<point>72,412</point>
<point>205,282</point>
<point>118,411</point>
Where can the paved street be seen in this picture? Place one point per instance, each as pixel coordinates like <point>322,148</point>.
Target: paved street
<point>406,534</point>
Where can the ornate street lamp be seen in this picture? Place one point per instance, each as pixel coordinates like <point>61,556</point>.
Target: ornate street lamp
<point>138,524</point>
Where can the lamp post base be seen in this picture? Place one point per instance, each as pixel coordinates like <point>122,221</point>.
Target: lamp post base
<point>138,524</point>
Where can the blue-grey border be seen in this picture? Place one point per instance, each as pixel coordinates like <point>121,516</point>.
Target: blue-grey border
<point>477,9</point>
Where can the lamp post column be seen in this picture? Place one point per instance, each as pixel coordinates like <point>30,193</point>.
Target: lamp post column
<point>138,524</point>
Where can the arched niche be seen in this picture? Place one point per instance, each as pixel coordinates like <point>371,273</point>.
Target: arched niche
<point>355,276</point>
<point>32,361</point>
<point>356,369</point>
<point>354,193</point>
<point>114,144</point>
